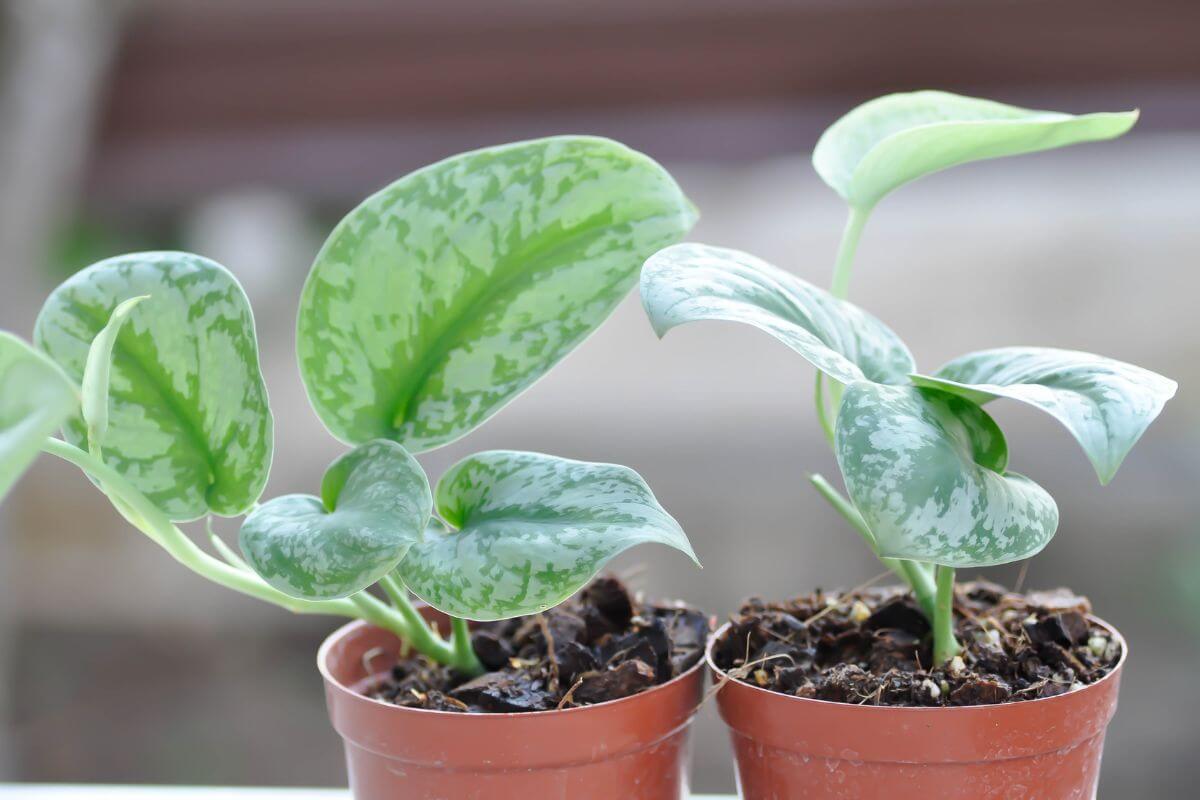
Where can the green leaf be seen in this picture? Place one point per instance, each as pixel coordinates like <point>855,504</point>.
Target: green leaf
<point>445,295</point>
<point>375,503</point>
<point>926,471</point>
<point>1105,404</point>
<point>97,370</point>
<point>891,140</point>
<point>532,530</point>
<point>189,425</point>
<point>35,398</point>
<point>690,282</point>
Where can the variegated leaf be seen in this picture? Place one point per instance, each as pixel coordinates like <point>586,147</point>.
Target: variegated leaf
<point>188,420</point>
<point>375,503</point>
<point>926,471</point>
<point>531,530</point>
<point>449,292</point>
<point>690,282</point>
<point>35,398</point>
<point>891,140</point>
<point>1105,404</point>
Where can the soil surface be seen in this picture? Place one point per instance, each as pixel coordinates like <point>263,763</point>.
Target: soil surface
<point>873,647</point>
<point>602,644</point>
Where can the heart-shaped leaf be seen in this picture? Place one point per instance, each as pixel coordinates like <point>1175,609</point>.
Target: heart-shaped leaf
<point>891,140</point>
<point>1105,404</point>
<point>35,398</point>
<point>690,282</point>
<point>375,503</point>
<point>532,530</point>
<point>188,422</point>
<point>449,292</point>
<point>926,471</point>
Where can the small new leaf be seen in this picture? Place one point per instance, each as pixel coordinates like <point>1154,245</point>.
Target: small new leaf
<point>926,470</point>
<point>375,503</point>
<point>96,374</point>
<point>35,398</point>
<point>897,138</point>
<point>532,530</point>
<point>448,293</point>
<point>1105,404</point>
<point>691,282</point>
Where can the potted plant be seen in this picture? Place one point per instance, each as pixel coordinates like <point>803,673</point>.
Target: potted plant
<point>941,690</point>
<point>432,305</point>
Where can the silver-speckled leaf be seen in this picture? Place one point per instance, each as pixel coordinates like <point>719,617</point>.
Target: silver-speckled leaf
<point>926,470</point>
<point>891,140</point>
<point>1105,404</point>
<point>446,294</point>
<point>532,530</point>
<point>375,503</point>
<point>690,282</point>
<point>35,398</point>
<point>188,420</point>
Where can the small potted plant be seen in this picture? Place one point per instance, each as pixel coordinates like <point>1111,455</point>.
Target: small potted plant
<point>432,304</point>
<point>942,690</point>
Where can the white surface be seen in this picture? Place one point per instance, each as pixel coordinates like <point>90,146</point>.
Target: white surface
<point>31,791</point>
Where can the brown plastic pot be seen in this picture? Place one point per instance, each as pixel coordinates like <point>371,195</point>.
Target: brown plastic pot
<point>635,748</point>
<point>791,748</point>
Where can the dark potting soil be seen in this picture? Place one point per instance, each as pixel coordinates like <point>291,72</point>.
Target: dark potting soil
<point>873,647</point>
<point>602,644</point>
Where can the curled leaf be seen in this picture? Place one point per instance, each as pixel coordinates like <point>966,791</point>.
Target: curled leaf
<point>691,282</point>
<point>1105,404</point>
<point>532,529</point>
<point>891,140</point>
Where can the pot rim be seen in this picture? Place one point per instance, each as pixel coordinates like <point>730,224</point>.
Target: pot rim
<point>721,675</point>
<point>354,625</point>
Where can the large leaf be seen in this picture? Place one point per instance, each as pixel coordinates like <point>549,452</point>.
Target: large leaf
<point>926,470</point>
<point>1105,404</point>
<point>375,503</point>
<point>446,294</point>
<point>690,282</point>
<point>188,420</point>
<point>889,141</point>
<point>35,398</point>
<point>532,530</point>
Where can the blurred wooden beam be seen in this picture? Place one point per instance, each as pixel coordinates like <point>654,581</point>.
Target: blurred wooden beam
<point>265,87</point>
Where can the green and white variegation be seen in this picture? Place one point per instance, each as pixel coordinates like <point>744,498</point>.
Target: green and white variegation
<point>891,140</point>
<point>375,503</point>
<point>188,421</point>
<point>447,293</point>
<point>1105,404</point>
<point>927,471</point>
<point>36,397</point>
<point>529,530</point>
<point>692,282</point>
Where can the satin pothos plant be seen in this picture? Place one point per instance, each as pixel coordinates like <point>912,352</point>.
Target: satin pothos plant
<point>926,468</point>
<point>431,305</point>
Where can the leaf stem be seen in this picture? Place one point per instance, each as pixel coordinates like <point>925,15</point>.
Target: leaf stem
<point>915,575</point>
<point>840,287</point>
<point>822,411</point>
<point>464,651</point>
<point>945,646</point>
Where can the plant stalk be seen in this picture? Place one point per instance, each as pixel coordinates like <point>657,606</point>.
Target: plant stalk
<point>455,654</point>
<point>404,620</point>
<point>840,287</point>
<point>915,575</point>
<point>945,646</point>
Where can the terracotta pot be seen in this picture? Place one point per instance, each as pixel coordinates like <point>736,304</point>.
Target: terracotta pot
<point>791,747</point>
<point>630,749</point>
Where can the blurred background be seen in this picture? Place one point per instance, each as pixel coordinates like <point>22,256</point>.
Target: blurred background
<point>244,130</point>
